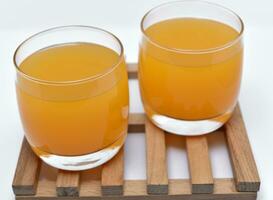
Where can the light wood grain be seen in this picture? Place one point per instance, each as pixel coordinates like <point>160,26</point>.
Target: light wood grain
<point>91,183</point>
<point>199,164</point>
<point>68,183</point>
<point>47,181</point>
<point>132,70</point>
<point>157,178</point>
<point>112,175</point>
<point>244,167</point>
<point>27,171</point>
<point>179,189</point>
<point>136,120</point>
<point>136,123</point>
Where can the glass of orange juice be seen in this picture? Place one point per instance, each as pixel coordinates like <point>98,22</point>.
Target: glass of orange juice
<point>190,65</point>
<point>72,93</point>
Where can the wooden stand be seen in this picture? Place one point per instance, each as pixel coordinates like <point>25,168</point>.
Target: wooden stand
<point>35,180</point>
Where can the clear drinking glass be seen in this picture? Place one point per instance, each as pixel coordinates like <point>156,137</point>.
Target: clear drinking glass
<point>190,65</point>
<point>72,93</point>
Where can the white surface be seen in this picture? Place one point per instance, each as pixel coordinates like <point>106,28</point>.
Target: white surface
<point>21,18</point>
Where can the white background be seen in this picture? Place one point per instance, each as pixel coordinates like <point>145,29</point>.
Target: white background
<point>22,18</point>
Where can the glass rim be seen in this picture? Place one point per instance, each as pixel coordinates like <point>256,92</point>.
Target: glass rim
<point>193,51</point>
<point>69,82</point>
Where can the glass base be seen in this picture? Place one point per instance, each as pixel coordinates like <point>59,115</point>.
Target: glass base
<point>189,127</point>
<point>82,162</point>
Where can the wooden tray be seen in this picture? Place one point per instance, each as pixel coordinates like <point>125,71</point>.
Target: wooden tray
<point>35,180</point>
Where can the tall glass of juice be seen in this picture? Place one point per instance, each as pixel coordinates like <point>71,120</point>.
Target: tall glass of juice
<point>72,93</point>
<point>190,65</point>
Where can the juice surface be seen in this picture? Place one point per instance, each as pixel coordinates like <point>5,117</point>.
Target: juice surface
<point>76,118</point>
<point>69,62</point>
<point>191,33</point>
<point>179,82</point>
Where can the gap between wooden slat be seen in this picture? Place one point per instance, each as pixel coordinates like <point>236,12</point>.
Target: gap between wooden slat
<point>157,178</point>
<point>112,175</point>
<point>244,167</point>
<point>199,164</point>
<point>27,171</point>
<point>67,184</point>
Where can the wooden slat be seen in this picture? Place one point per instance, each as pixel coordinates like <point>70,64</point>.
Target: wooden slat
<point>90,182</point>
<point>132,70</point>
<point>224,189</point>
<point>244,167</point>
<point>136,120</point>
<point>27,171</point>
<point>136,123</point>
<point>112,175</point>
<point>68,183</point>
<point>157,178</point>
<point>199,164</point>
<point>47,181</point>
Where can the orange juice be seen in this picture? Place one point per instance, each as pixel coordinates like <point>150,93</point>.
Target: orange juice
<point>181,73</point>
<point>68,113</point>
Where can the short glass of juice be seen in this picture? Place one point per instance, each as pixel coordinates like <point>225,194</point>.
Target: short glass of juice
<point>190,65</point>
<point>72,93</point>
